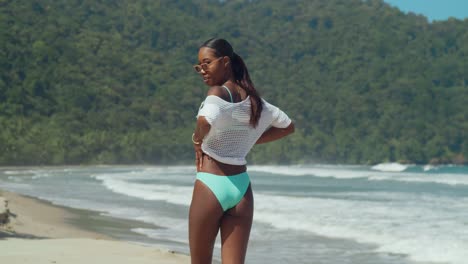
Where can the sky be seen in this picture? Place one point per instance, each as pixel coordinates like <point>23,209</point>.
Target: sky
<point>434,9</point>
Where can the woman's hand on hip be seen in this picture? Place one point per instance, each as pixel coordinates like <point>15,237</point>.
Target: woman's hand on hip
<point>198,156</point>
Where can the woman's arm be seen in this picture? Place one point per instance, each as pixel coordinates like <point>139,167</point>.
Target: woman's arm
<point>275,133</point>
<point>201,130</point>
<point>203,127</point>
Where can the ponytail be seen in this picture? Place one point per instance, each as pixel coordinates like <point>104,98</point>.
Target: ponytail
<point>242,77</point>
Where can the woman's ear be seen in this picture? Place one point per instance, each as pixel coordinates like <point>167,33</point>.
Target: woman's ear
<point>226,61</point>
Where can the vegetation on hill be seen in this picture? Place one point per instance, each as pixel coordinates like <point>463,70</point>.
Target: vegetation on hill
<point>111,81</point>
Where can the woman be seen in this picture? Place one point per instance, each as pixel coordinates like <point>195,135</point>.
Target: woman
<point>230,121</point>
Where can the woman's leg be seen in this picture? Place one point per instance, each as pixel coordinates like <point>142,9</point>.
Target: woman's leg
<point>204,219</point>
<point>235,230</point>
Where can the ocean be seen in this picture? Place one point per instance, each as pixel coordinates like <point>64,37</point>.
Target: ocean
<point>388,213</point>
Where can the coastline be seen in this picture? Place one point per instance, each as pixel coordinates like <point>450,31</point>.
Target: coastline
<point>41,232</point>
<point>326,192</point>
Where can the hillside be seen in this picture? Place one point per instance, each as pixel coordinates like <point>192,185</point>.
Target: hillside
<point>109,81</point>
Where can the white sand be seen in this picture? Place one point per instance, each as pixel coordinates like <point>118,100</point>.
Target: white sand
<point>50,239</point>
<point>82,250</point>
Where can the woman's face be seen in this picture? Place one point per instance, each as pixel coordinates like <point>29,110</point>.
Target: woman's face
<point>214,68</point>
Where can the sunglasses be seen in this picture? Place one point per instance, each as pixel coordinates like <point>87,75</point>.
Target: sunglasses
<point>204,66</point>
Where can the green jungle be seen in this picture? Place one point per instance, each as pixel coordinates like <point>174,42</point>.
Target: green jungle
<point>111,81</point>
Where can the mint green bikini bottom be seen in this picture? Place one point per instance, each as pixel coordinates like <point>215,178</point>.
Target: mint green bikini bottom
<point>229,190</point>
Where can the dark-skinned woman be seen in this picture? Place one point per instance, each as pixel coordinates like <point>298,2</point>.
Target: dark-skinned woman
<point>231,120</point>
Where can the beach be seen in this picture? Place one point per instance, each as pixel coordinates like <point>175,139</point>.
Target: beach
<point>40,232</point>
<point>318,213</point>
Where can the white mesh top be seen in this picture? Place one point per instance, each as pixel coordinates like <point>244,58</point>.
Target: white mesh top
<point>231,136</point>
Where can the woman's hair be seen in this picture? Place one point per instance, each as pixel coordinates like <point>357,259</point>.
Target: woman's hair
<point>241,75</point>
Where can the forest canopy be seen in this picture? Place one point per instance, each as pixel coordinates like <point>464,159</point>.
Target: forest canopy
<point>111,81</point>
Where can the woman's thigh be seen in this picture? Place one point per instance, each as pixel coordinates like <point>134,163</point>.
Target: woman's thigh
<point>204,222</point>
<point>235,230</point>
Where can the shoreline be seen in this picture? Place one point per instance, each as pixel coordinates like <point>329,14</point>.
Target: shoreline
<point>434,162</point>
<point>42,232</point>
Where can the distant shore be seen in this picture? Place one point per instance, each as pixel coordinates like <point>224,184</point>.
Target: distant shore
<point>458,160</point>
<point>40,232</point>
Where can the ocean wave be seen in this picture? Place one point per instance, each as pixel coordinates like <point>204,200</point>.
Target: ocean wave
<point>390,167</point>
<point>15,172</point>
<point>339,172</point>
<point>446,179</point>
<point>163,192</point>
<point>148,173</point>
<point>403,226</point>
<point>429,167</point>
<point>385,173</point>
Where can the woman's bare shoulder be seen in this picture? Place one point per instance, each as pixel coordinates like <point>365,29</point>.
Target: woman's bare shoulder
<point>218,91</point>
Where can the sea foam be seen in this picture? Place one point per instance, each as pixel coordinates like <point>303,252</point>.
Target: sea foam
<point>412,225</point>
<point>390,167</point>
<point>120,184</point>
